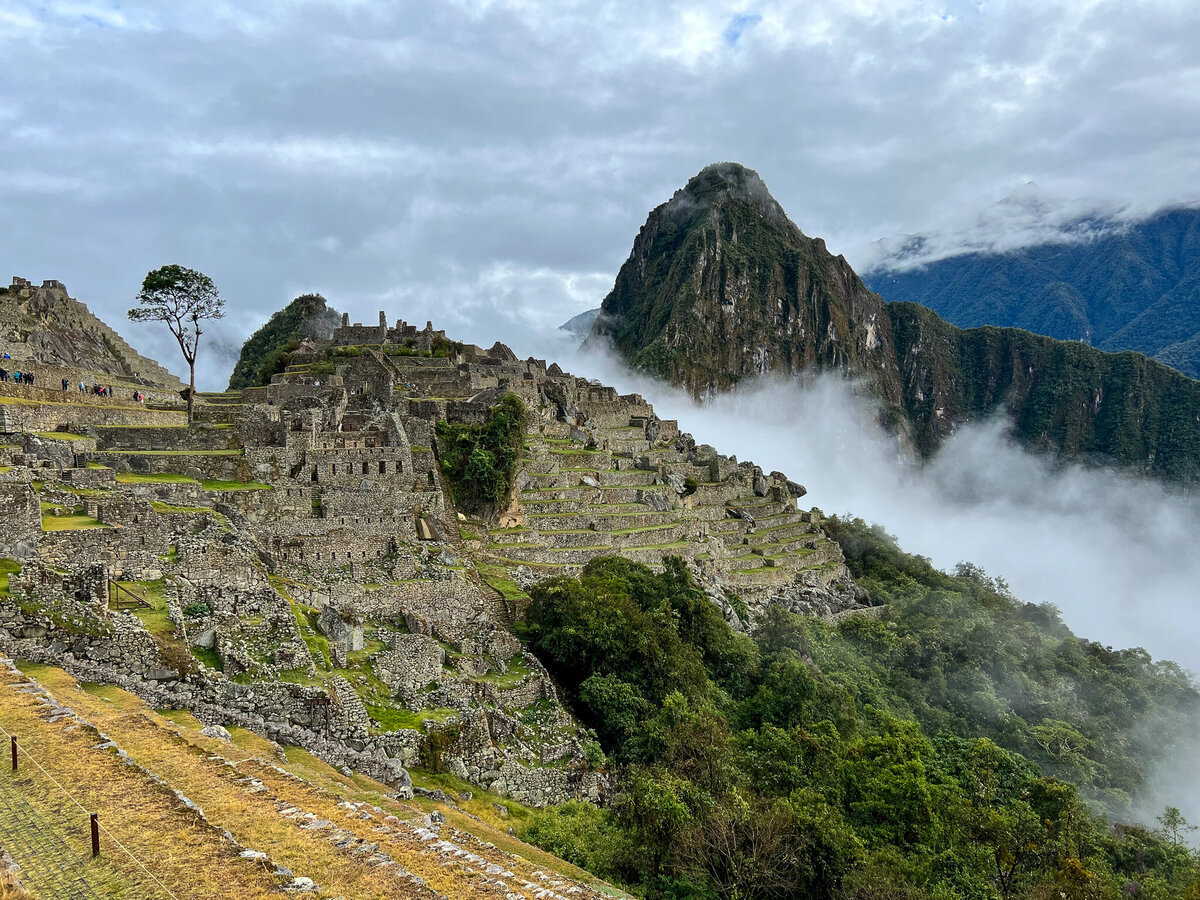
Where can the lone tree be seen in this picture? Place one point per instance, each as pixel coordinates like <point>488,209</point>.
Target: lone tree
<point>181,298</point>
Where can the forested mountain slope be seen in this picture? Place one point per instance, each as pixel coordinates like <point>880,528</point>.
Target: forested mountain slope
<point>1135,287</point>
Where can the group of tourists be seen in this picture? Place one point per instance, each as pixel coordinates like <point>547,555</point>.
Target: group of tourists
<point>97,390</point>
<point>18,377</point>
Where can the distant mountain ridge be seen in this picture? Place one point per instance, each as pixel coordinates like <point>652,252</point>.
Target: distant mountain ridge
<point>1130,287</point>
<point>720,286</point>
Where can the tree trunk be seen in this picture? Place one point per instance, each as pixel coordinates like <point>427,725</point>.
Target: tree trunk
<point>191,390</point>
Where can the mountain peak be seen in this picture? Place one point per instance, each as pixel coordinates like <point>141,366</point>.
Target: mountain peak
<point>720,285</point>
<point>719,183</point>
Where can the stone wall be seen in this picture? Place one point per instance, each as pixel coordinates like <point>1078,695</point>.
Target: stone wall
<point>219,467</point>
<point>179,438</point>
<point>22,525</point>
<point>75,417</point>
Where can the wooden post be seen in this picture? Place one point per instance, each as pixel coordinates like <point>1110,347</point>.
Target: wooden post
<point>95,835</point>
<point>14,752</point>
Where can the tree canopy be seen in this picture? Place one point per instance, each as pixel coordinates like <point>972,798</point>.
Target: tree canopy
<point>180,298</point>
<point>961,745</point>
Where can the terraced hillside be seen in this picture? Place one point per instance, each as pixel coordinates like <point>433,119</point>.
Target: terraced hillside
<point>619,498</point>
<point>202,815</point>
<point>295,564</point>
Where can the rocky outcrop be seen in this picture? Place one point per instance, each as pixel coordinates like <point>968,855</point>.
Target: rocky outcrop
<point>722,286</point>
<point>44,325</point>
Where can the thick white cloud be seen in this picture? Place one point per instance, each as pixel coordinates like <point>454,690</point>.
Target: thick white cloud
<point>486,163</point>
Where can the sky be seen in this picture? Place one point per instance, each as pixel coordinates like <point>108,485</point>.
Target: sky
<point>486,163</point>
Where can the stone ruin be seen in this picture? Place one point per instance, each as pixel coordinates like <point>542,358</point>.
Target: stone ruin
<point>294,562</point>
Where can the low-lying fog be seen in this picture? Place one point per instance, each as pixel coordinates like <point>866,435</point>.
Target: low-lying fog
<point>1118,555</point>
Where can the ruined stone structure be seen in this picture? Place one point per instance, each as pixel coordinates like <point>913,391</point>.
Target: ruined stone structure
<point>294,563</point>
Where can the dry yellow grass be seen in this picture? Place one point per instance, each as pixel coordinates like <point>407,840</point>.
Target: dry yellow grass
<point>169,744</point>
<point>10,891</point>
<point>168,839</point>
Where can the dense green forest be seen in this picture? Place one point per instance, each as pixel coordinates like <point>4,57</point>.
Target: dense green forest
<point>960,745</point>
<point>268,350</point>
<point>1121,408</point>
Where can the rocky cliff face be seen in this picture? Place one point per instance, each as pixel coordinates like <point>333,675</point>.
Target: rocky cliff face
<point>722,286</point>
<point>45,325</point>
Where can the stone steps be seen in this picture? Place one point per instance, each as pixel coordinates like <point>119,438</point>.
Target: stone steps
<point>560,555</point>
<point>785,545</point>
<point>577,537</point>
<point>628,478</point>
<point>626,445</point>
<point>784,566</point>
<point>592,495</point>
<point>219,399</point>
<point>682,467</point>
<point>780,533</point>
<point>421,363</point>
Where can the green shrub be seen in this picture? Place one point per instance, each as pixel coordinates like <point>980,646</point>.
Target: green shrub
<point>196,610</point>
<point>480,461</point>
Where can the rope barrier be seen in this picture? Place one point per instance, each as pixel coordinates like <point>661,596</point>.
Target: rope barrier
<point>88,812</point>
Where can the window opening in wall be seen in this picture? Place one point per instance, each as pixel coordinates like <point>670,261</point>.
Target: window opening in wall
<point>333,469</point>
<point>382,467</point>
<point>315,476</point>
<point>399,467</point>
<point>364,467</point>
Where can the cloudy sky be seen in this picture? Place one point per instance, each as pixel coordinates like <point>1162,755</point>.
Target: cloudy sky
<point>487,163</point>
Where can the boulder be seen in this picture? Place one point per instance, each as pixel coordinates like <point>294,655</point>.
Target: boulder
<point>656,500</point>
<point>429,529</point>
<point>735,512</point>
<point>216,731</point>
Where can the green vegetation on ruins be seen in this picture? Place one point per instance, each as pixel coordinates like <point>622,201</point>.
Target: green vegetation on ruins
<point>480,461</point>
<point>960,745</point>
